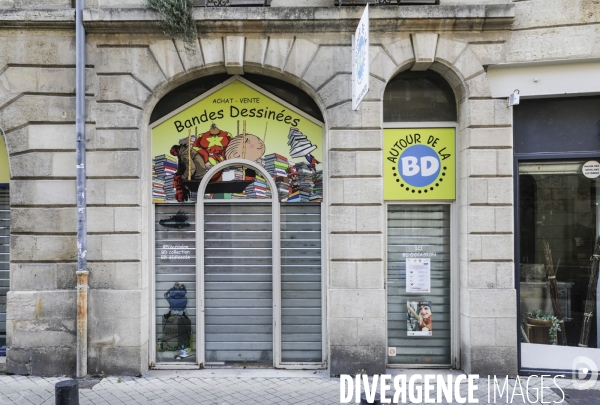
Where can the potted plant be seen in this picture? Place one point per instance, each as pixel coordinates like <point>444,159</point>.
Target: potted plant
<point>544,319</point>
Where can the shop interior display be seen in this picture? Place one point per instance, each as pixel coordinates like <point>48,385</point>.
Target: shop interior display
<point>559,254</point>
<point>176,334</point>
<point>552,285</point>
<point>590,302</point>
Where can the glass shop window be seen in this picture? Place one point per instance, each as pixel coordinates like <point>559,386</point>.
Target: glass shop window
<point>558,257</point>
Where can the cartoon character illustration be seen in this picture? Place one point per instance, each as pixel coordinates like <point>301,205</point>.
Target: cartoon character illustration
<point>211,145</point>
<point>294,177</point>
<point>419,321</point>
<point>254,148</point>
<point>425,319</point>
<point>178,221</point>
<point>312,162</point>
<point>186,171</point>
<point>299,144</point>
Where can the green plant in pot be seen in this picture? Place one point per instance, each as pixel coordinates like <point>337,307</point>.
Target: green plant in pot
<point>541,318</point>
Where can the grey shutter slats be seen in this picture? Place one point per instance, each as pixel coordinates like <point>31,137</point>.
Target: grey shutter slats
<point>238,284</point>
<point>238,280</point>
<point>168,271</point>
<point>301,306</point>
<point>4,259</point>
<point>426,226</point>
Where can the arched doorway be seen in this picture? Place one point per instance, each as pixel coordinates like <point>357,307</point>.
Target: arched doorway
<point>240,274</point>
<point>237,192</point>
<point>420,115</point>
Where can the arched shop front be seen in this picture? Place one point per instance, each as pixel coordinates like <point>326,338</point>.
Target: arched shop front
<point>237,190</point>
<point>419,110</point>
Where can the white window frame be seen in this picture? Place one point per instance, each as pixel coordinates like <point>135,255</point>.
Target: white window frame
<point>275,255</point>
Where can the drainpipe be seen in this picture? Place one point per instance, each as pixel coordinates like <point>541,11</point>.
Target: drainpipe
<point>82,270</point>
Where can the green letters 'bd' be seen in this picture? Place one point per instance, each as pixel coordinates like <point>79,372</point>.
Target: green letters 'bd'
<point>419,164</point>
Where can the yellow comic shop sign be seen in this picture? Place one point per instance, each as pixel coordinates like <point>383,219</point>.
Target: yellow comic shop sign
<point>419,164</point>
<point>237,119</point>
<point>4,170</point>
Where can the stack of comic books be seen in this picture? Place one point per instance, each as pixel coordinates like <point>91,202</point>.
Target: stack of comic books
<point>317,190</point>
<point>257,189</point>
<point>299,144</point>
<point>276,164</point>
<point>158,188</point>
<point>283,189</point>
<point>299,196</point>
<point>164,168</point>
<point>305,178</point>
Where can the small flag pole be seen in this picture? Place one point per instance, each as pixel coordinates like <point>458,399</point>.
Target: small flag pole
<point>265,137</point>
<point>189,168</point>
<point>244,150</point>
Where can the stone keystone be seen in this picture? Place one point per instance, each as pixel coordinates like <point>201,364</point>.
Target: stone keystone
<point>234,55</point>
<point>424,48</point>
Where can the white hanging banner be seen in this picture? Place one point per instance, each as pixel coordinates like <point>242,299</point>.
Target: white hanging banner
<point>360,60</point>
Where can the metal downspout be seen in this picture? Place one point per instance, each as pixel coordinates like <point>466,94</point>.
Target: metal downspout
<point>82,270</point>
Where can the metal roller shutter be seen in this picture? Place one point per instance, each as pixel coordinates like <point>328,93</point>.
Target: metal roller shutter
<point>4,259</point>
<point>238,284</point>
<point>426,227</point>
<point>175,261</point>
<point>301,316</point>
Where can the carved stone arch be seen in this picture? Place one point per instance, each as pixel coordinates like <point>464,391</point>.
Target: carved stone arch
<point>450,58</point>
<point>400,52</point>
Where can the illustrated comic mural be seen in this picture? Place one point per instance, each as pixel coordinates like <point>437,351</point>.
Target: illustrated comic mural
<point>237,120</point>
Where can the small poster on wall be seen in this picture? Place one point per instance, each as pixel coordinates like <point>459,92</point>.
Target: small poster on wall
<point>418,275</point>
<point>418,318</point>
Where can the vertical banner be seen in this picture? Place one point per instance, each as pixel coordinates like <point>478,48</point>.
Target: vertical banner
<point>360,60</point>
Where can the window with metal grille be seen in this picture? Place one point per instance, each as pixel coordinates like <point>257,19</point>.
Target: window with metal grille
<point>385,2</point>
<point>4,258</point>
<point>234,3</point>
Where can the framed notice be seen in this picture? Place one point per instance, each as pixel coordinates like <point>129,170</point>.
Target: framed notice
<point>418,275</point>
<point>419,320</point>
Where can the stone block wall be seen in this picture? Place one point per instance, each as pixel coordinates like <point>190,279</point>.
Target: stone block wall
<point>129,71</point>
<point>128,74</point>
<point>37,113</point>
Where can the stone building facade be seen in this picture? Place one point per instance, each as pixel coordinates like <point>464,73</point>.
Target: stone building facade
<point>131,66</point>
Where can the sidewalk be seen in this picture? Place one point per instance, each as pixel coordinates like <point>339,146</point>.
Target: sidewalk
<point>230,387</point>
